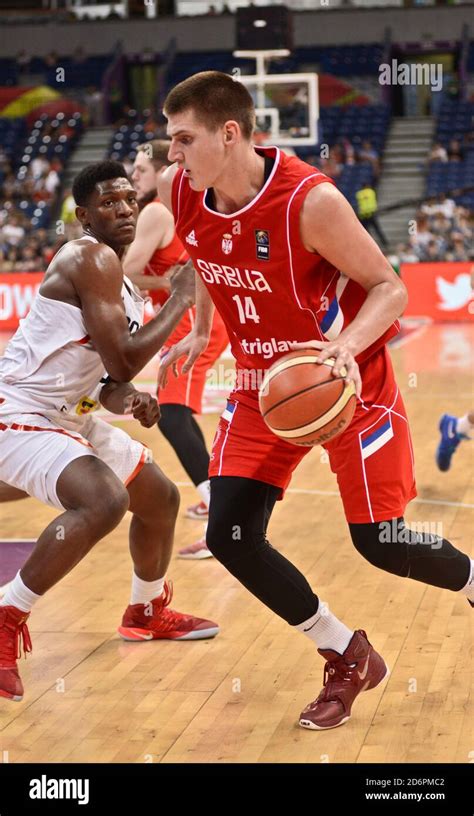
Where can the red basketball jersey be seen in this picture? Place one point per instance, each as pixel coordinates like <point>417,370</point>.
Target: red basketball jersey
<point>267,287</point>
<point>160,262</point>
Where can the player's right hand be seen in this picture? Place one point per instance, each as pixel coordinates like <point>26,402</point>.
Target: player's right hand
<point>146,409</point>
<point>183,283</point>
<point>190,346</point>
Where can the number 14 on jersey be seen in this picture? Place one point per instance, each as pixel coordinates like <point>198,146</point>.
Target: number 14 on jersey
<point>247,310</point>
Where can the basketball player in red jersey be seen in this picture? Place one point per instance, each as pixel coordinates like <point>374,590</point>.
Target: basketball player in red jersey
<point>148,263</point>
<point>281,254</point>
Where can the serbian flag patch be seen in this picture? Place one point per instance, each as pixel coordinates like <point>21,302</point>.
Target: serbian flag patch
<point>376,436</point>
<point>229,411</point>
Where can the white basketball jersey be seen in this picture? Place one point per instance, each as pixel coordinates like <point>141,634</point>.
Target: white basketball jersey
<point>50,365</point>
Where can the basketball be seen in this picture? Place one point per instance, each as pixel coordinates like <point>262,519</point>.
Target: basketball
<point>301,401</point>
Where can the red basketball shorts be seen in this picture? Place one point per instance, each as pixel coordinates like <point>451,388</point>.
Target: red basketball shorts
<point>187,389</point>
<point>372,459</point>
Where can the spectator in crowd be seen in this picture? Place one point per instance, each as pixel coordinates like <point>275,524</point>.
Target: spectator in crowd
<point>430,206</point>
<point>10,260</point>
<point>367,211</point>
<point>332,165</point>
<point>423,235</point>
<point>455,151</point>
<point>51,59</point>
<point>28,260</point>
<point>12,233</point>
<point>432,251</point>
<point>462,225</point>
<point>52,178</point>
<point>23,61</point>
<point>38,166</point>
<point>349,156</point>
<point>24,246</point>
<point>115,101</point>
<point>406,254</point>
<point>151,124</point>
<point>444,232</point>
<point>367,153</point>
<point>438,153</point>
<point>445,205</point>
<point>459,251</point>
<point>4,163</point>
<point>440,225</point>
<point>11,185</point>
<point>94,103</point>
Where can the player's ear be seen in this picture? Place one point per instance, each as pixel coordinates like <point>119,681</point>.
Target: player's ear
<point>231,132</point>
<point>82,215</point>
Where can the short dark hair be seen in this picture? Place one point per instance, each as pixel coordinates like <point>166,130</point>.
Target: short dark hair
<point>85,181</point>
<point>214,97</point>
<point>156,150</point>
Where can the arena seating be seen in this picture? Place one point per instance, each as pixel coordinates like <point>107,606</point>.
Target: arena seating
<point>51,138</point>
<point>454,122</point>
<point>77,74</point>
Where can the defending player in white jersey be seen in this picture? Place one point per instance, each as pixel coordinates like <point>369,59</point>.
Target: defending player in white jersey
<point>81,344</point>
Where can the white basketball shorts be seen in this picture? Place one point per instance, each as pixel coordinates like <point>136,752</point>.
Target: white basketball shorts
<point>34,450</point>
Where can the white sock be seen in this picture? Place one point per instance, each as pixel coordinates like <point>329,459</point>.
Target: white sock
<point>468,590</point>
<point>145,591</point>
<point>19,595</point>
<point>463,426</point>
<point>326,631</point>
<point>204,490</point>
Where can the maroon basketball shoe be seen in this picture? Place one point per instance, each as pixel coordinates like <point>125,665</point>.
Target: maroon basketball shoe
<point>155,621</point>
<point>358,669</point>
<point>13,628</point>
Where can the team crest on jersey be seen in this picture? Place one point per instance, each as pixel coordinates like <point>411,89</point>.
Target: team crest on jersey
<point>262,240</point>
<point>227,243</point>
<point>86,405</point>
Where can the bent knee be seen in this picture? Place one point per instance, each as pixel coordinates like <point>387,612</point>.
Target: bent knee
<point>372,544</point>
<point>114,502</point>
<point>168,500</point>
<point>89,486</point>
<point>155,497</point>
<point>173,497</point>
<point>229,540</point>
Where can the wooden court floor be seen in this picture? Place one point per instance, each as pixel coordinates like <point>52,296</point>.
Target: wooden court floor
<point>90,697</point>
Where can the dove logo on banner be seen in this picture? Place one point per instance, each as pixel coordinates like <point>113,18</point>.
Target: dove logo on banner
<point>440,291</point>
<point>454,295</point>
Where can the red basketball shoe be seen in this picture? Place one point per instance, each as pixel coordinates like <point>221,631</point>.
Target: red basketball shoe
<point>12,628</point>
<point>358,669</point>
<point>154,621</point>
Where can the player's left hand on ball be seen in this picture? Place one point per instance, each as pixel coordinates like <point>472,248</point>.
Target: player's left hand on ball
<point>146,409</point>
<point>342,358</point>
